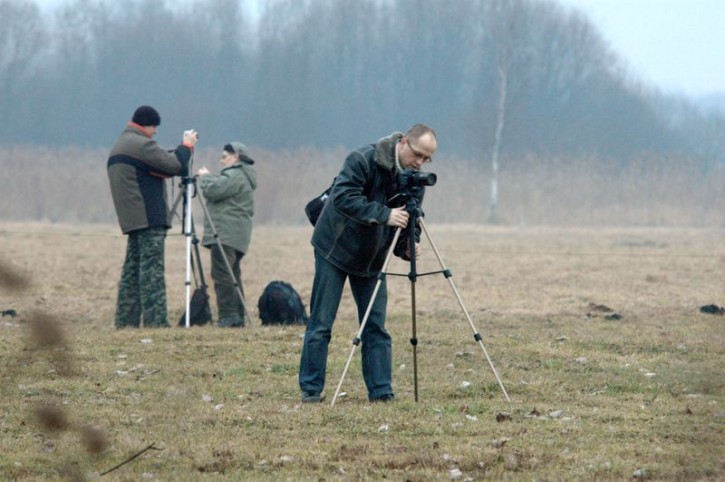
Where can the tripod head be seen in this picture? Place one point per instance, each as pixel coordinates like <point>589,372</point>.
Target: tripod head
<point>187,180</point>
<point>412,206</point>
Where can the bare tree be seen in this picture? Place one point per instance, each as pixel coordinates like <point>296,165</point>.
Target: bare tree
<point>23,36</point>
<point>542,60</point>
<point>506,24</point>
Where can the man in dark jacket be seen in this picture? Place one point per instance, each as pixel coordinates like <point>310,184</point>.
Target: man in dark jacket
<point>351,238</point>
<point>137,170</point>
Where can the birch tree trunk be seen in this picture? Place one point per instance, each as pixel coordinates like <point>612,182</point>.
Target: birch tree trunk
<point>500,122</point>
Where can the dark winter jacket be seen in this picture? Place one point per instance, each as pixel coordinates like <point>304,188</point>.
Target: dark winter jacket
<point>351,232</point>
<point>230,202</point>
<point>137,168</point>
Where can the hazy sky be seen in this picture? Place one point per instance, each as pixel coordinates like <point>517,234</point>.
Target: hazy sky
<point>677,45</point>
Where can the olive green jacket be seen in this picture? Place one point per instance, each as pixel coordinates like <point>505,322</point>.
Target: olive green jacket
<point>230,202</point>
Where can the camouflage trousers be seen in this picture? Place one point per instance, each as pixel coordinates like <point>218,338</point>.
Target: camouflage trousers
<point>142,289</point>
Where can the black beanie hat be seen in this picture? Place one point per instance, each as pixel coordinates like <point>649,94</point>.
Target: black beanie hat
<point>146,116</point>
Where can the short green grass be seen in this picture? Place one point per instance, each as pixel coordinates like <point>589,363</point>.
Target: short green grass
<point>592,398</point>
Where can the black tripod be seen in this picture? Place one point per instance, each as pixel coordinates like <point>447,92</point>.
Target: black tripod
<point>187,193</point>
<point>412,206</point>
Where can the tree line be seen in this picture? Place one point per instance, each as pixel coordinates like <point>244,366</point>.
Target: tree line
<point>494,77</point>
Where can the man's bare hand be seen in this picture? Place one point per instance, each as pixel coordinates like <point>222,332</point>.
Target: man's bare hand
<point>190,137</point>
<point>398,218</point>
<point>417,251</point>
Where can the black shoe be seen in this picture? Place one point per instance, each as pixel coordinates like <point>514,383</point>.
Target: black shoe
<point>312,397</point>
<point>388,397</point>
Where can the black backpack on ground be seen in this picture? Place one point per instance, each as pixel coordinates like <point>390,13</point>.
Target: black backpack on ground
<point>280,304</point>
<point>199,309</point>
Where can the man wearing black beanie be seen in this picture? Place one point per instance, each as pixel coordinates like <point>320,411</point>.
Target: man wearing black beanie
<point>146,116</point>
<point>137,170</point>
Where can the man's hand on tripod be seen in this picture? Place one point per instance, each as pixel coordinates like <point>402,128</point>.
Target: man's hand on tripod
<point>202,171</point>
<point>398,218</point>
<point>417,251</point>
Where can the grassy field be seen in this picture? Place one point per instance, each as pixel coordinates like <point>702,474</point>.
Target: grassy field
<point>597,334</point>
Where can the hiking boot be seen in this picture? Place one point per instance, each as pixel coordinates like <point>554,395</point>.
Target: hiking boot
<point>312,397</point>
<point>388,397</point>
<point>234,321</point>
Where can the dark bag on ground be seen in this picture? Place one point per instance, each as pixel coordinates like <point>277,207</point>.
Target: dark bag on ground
<point>314,207</point>
<point>199,309</point>
<point>280,304</point>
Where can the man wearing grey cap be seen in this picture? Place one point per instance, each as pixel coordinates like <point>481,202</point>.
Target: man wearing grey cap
<point>230,202</point>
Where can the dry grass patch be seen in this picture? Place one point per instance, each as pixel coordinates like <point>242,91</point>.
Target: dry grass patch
<point>593,396</point>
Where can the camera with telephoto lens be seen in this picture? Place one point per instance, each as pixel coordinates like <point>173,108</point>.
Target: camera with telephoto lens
<point>411,180</point>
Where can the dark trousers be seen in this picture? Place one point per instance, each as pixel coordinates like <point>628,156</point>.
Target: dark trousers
<point>142,289</point>
<point>227,299</point>
<point>376,342</point>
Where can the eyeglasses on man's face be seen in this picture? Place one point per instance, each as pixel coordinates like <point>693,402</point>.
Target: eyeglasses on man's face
<point>418,155</point>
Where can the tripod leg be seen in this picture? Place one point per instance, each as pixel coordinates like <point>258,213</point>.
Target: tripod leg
<point>476,335</point>
<point>199,269</point>
<point>413,277</point>
<point>414,340</point>
<point>188,235</point>
<point>356,340</point>
<point>228,265</point>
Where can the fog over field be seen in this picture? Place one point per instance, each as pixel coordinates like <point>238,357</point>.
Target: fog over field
<point>70,185</point>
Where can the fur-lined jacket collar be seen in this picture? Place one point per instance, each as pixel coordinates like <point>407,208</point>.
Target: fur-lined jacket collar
<point>385,150</point>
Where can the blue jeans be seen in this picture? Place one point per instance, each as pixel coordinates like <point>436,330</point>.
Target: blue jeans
<point>376,343</point>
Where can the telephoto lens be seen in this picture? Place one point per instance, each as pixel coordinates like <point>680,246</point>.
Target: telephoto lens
<point>412,179</point>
